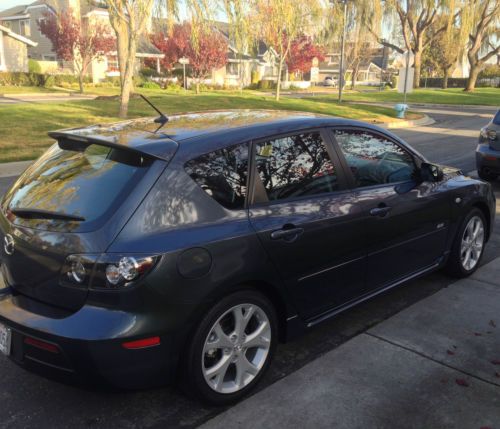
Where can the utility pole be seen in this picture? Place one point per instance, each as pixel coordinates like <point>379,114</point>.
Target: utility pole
<point>406,74</point>
<point>341,70</point>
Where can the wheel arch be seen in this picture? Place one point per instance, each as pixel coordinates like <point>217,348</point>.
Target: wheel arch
<point>481,205</point>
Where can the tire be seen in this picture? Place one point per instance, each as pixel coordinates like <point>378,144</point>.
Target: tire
<point>457,265</point>
<point>235,365</point>
<point>487,176</point>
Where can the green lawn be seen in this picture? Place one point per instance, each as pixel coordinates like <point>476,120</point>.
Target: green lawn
<point>481,96</point>
<point>24,127</point>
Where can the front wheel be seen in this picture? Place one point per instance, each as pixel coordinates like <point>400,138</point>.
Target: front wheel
<point>468,245</point>
<point>231,348</point>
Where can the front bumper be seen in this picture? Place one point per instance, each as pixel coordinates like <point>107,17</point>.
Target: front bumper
<point>88,343</point>
<point>487,158</point>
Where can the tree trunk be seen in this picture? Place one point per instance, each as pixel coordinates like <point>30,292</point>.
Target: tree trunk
<point>127,80</point>
<point>197,86</point>
<point>80,81</point>
<point>446,72</point>
<point>417,64</point>
<point>471,81</point>
<point>278,83</point>
<point>354,76</point>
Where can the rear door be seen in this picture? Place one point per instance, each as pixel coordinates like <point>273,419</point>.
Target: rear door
<point>309,223</point>
<point>406,222</point>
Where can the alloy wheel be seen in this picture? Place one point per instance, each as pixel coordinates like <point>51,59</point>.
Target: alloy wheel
<point>472,243</point>
<point>236,348</point>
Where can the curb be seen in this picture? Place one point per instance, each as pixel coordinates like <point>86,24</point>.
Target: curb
<point>426,120</point>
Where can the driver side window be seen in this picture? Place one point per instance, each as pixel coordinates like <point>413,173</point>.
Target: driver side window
<point>374,160</point>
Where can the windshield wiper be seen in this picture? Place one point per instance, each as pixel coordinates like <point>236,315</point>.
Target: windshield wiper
<point>44,214</point>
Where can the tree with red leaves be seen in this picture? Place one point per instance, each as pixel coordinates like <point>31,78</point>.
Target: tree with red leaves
<point>72,43</point>
<point>302,52</point>
<point>206,50</point>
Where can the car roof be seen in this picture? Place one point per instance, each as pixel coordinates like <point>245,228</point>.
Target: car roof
<point>207,129</point>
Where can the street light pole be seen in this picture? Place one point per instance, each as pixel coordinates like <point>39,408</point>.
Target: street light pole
<point>341,71</point>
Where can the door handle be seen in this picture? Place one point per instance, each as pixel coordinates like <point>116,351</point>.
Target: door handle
<point>380,211</point>
<point>287,234</point>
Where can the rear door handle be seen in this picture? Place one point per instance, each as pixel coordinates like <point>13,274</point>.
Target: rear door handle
<point>380,211</point>
<point>288,234</point>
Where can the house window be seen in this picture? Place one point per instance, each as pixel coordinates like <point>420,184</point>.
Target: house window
<point>232,68</point>
<point>6,24</point>
<point>113,64</point>
<point>48,57</point>
<point>24,26</point>
<point>39,22</point>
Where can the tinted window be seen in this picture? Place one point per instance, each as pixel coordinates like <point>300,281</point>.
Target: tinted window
<point>373,159</point>
<point>86,182</point>
<point>295,166</point>
<point>222,175</point>
<point>496,119</point>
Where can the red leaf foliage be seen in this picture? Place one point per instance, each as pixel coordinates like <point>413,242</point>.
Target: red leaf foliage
<point>302,52</point>
<point>209,53</point>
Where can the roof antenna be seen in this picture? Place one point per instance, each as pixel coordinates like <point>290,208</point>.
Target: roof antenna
<point>162,119</point>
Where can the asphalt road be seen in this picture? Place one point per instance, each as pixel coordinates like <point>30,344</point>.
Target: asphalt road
<point>28,400</point>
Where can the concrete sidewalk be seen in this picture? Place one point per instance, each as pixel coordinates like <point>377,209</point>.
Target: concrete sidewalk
<point>436,364</point>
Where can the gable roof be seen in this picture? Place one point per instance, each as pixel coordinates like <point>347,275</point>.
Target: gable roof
<point>21,10</point>
<point>16,36</point>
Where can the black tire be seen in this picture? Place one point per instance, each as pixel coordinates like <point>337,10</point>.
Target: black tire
<point>454,265</point>
<point>487,176</point>
<point>193,380</point>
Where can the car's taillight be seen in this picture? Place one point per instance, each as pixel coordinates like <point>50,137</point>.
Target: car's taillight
<point>106,271</point>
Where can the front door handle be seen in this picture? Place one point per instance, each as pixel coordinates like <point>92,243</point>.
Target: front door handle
<point>380,211</point>
<point>287,234</point>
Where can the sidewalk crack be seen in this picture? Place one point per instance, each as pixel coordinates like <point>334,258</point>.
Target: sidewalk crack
<point>423,355</point>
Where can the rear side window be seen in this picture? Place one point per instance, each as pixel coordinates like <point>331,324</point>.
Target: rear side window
<point>222,175</point>
<point>295,166</point>
<point>373,159</point>
<point>88,182</point>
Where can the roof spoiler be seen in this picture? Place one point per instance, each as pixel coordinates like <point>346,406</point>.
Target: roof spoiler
<point>73,141</point>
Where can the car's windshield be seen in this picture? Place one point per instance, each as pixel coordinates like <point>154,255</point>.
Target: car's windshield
<point>83,183</point>
<point>496,119</point>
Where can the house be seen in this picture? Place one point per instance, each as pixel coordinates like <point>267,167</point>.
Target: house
<point>370,70</point>
<point>14,50</point>
<point>25,19</point>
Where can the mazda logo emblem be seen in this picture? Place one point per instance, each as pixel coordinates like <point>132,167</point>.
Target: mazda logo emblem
<point>8,244</point>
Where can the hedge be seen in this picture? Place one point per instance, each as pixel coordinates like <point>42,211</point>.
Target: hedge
<point>455,82</point>
<point>38,79</point>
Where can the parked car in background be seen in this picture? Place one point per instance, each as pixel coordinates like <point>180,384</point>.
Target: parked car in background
<point>140,256</point>
<point>330,81</point>
<point>488,150</point>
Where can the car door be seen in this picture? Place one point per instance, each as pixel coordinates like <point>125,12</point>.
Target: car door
<point>309,223</point>
<point>406,221</point>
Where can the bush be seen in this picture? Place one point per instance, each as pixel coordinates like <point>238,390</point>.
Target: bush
<point>34,66</point>
<point>437,82</point>
<point>150,85</point>
<point>267,84</point>
<point>255,75</point>
<point>149,72</point>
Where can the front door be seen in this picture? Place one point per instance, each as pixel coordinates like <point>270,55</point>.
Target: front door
<point>406,222</point>
<point>309,223</point>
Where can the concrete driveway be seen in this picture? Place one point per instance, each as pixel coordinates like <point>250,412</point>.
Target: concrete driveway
<point>43,98</point>
<point>31,401</point>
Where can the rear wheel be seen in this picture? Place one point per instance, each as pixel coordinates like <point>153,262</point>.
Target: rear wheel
<point>231,348</point>
<point>468,246</point>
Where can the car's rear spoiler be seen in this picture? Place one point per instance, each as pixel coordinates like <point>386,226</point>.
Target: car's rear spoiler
<point>160,148</point>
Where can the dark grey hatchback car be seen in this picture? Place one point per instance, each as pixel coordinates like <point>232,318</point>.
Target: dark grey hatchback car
<point>137,256</point>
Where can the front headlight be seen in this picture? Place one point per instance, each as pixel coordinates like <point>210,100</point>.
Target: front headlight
<point>483,133</point>
<point>106,271</point>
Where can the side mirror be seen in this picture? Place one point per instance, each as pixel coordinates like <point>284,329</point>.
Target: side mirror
<point>430,173</point>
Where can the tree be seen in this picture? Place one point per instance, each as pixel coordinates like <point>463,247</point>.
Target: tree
<point>128,18</point>
<point>278,23</point>
<point>482,17</point>
<point>72,43</point>
<point>416,19</point>
<point>302,52</point>
<point>206,52</point>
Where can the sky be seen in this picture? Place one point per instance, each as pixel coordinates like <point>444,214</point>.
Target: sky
<point>6,4</point>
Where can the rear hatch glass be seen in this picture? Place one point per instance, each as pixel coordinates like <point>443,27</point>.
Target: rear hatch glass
<point>496,119</point>
<point>74,189</point>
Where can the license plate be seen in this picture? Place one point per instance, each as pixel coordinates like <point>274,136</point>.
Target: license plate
<point>5,336</point>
